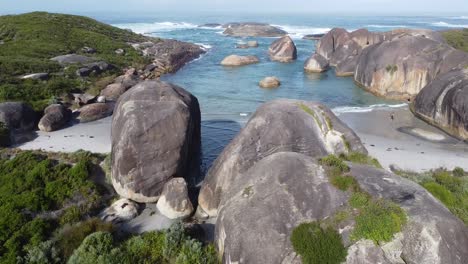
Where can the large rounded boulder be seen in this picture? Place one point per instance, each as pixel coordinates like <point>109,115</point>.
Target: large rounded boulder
<point>283,50</point>
<point>93,112</point>
<point>400,68</point>
<point>155,137</point>
<point>444,102</point>
<point>278,126</point>
<point>236,60</point>
<point>316,63</point>
<point>55,117</point>
<point>18,117</point>
<point>327,45</point>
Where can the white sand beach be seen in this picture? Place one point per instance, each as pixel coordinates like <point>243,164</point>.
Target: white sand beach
<point>407,141</point>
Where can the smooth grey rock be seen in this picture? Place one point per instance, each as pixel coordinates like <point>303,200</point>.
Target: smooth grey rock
<point>270,82</point>
<point>236,60</point>
<point>94,68</point>
<point>73,59</point>
<point>55,117</point>
<point>18,117</point>
<point>278,126</point>
<point>122,210</point>
<point>444,102</point>
<point>84,99</point>
<point>101,99</point>
<point>174,202</point>
<point>121,85</point>
<point>120,51</point>
<point>253,30</point>
<point>36,76</point>
<point>264,204</point>
<point>283,50</point>
<point>155,137</point>
<point>330,42</point>
<point>96,111</point>
<point>316,63</point>
<point>400,68</point>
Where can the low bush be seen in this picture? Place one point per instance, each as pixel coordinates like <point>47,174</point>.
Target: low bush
<point>361,158</point>
<point>359,200</point>
<point>334,162</point>
<point>458,172</point>
<point>344,183</point>
<point>378,221</point>
<point>318,245</point>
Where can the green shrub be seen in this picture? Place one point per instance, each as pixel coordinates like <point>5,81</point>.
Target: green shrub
<point>441,193</point>
<point>359,200</point>
<point>5,140</point>
<point>193,252</point>
<point>317,245</point>
<point>71,237</point>
<point>457,38</point>
<point>379,221</point>
<point>147,248</point>
<point>72,215</point>
<point>361,158</point>
<point>458,172</point>
<point>344,183</point>
<point>97,248</point>
<point>335,162</point>
<point>175,235</point>
<point>44,253</point>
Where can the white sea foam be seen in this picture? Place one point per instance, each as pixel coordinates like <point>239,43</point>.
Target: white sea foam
<point>147,28</point>
<point>445,24</point>
<point>204,46</point>
<point>459,17</point>
<point>364,109</point>
<point>301,31</point>
<point>386,26</point>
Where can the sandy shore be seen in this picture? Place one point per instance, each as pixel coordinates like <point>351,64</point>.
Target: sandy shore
<point>93,136</point>
<point>407,142</point>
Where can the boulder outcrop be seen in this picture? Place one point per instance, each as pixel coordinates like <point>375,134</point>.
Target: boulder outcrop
<point>155,137</point>
<point>252,30</point>
<point>174,202</point>
<point>236,60</point>
<point>444,102</point>
<point>316,63</point>
<point>120,211</point>
<point>121,85</point>
<point>283,50</point>
<point>55,117</point>
<point>278,126</point>
<point>400,68</point>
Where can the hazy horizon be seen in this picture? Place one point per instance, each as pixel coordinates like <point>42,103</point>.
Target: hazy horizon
<point>351,7</point>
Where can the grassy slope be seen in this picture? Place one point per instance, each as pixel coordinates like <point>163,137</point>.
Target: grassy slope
<point>30,40</point>
<point>457,38</point>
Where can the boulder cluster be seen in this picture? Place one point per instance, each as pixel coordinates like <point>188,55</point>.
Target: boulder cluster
<point>414,65</point>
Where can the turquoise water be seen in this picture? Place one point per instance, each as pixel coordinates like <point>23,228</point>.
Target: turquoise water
<point>228,96</point>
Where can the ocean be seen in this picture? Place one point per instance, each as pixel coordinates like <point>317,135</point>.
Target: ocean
<point>228,96</point>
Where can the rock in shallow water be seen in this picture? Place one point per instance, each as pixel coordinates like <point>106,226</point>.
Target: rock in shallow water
<point>236,60</point>
<point>283,50</point>
<point>174,202</point>
<point>444,102</point>
<point>253,30</point>
<point>155,137</point>
<point>316,63</point>
<point>270,82</point>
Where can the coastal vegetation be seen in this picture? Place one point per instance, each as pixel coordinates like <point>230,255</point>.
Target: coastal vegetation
<point>457,38</point>
<point>376,219</point>
<point>50,202</point>
<point>450,187</point>
<point>29,41</point>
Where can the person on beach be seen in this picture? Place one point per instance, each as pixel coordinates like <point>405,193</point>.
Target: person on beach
<point>392,116</point>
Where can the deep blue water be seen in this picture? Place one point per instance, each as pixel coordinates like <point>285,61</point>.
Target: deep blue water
<point>229,95</point>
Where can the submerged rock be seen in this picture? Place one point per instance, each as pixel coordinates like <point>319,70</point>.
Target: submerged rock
<point>174,202</point>
<point>278,126</point>
<point>283,50</point>
<point>400,68</point>
<point>55,117</point>
<point>252,30</point>
<point>444,102</point>
<point>316,63</point>
<point>236,60</point>
<point>270,82</point>
<point>155,137</point>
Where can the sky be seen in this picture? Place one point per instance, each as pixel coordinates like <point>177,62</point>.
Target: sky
<point>370,7</point>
